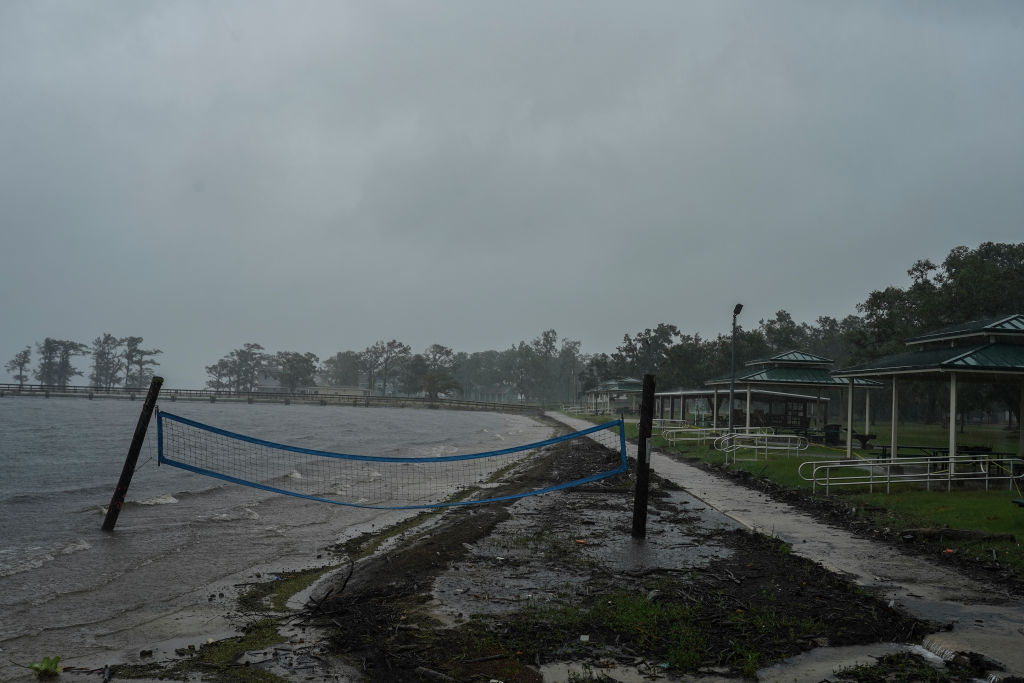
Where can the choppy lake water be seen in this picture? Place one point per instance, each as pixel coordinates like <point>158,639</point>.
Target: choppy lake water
<point>69,589</point>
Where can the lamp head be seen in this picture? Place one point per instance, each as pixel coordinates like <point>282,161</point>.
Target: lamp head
<point>736,311</point>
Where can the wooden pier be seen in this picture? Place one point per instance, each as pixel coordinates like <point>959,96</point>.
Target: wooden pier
<point>282,397</point>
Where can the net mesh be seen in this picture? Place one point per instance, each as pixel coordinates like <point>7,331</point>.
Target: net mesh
<point>379,481</point>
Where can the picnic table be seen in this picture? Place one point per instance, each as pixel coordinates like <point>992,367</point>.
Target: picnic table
<point>865,440</point>
<point>933,451</point>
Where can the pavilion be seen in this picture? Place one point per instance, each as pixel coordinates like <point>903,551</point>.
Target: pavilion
<point>987,351</point>
<point>792,370</point>
<point>769,408</point>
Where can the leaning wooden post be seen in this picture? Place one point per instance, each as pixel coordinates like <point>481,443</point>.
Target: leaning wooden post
<point>643,459</point>
<point>117,500</point>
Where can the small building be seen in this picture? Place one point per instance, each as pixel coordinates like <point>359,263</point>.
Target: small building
<point>613,396</point>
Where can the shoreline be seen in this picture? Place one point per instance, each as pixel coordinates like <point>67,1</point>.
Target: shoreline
<point>312,653</point>
<point>148,583</point>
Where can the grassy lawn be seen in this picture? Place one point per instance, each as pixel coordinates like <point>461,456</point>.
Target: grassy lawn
<point>907,506</point>
<point>999,439</point>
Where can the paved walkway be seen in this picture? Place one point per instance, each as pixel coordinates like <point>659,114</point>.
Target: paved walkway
<point>984,618</point>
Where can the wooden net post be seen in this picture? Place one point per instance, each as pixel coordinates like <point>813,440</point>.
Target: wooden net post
<point>117,500</point>
<point>643,459</point>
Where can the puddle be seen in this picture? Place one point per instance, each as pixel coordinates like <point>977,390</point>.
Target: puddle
<point>822,663</point>
<point>677,536</point>
<point>520,564</point>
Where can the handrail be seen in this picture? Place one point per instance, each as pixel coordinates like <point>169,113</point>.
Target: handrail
<point>702,434</point>
<point>985,467</point>
<point>760,443</point>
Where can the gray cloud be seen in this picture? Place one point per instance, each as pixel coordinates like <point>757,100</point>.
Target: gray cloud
<point>323,175</point>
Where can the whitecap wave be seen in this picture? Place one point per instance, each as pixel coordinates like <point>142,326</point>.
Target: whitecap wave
<point>37,556</point>
<point>166,499</point>
<point>77,546</point>
<point>234,514</point>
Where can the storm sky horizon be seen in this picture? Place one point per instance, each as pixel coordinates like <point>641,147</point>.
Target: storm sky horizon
<point>320,176</point>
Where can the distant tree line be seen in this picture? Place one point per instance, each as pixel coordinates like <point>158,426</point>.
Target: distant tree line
<point>969,284</point>
<point>251,368</point>
<point>116,361</point>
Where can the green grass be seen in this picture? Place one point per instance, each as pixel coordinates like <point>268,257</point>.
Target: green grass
<point>215,661</point>
<point>642,623</point>
<point>276,592</point>
<point>981,510</point>
<point>998,438</point>
<point>646,623</point>
<point>901,667</point>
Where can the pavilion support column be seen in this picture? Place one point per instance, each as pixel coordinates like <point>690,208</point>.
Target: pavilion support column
<point>952,422</point>
<point>817,412</point>
<point>849,420</point>
<point>1020,414</point>
<point>895,420</point>
<point>748,409</point>
<point>714,410</point>
<point>867,410</point>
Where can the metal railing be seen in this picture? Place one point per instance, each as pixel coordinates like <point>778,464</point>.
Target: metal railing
<point>705,434</point>
<point>981,467</point>
<point>760,444</point>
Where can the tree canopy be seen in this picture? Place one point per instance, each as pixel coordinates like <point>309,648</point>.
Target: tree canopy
<point>969,284</point>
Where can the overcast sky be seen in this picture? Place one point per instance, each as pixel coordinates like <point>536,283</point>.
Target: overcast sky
<point>316,176</point>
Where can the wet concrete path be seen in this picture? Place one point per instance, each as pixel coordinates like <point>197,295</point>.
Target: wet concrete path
<point>985,619</point>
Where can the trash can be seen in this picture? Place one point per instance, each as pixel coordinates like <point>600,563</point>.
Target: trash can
<point>832,435</point>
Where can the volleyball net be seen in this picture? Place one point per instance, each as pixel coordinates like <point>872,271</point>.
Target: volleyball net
<point>387,482</point>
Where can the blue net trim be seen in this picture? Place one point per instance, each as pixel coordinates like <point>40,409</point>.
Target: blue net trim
<point>166,460</point>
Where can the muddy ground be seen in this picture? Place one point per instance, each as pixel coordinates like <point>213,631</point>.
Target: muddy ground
<point>499,591</point>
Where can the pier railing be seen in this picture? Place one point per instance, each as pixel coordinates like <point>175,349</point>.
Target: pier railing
<point>309,397</point>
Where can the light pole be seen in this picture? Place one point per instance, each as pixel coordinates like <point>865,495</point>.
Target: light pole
<point>732,375</point>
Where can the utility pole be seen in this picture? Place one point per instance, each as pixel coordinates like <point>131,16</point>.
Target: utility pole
<point>732,376</point>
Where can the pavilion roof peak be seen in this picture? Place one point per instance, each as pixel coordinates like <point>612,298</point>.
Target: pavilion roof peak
<point>1005,325</point>
<point>792,357</point>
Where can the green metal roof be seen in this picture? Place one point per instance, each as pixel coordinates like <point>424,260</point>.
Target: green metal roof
<point>1003,325</point>
<point>992,357</point>
<point>793,357</point>
<point>793,376</point>
<point>996,358</point>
